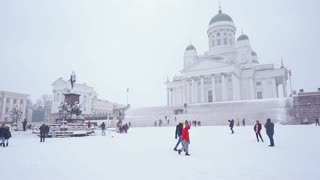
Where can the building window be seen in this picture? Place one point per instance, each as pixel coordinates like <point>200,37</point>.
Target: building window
<point>58,97</point>
<point>258,83</point>
<point>8,100</point>
<point>0,99</point>
<point>84,99</point>
<point>225,41</point>
<point>21,102</point>
<point>259,95</point>
<point>7,109</point>
<point>219,42</point>
<point>230,41</point>
<point>14,101</point>
<point>213,43</point>
<point>218,34</point>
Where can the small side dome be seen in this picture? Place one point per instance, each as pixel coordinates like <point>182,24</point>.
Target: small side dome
<point>253,53</point>
<point>243,37</point>
<point>190,47</point>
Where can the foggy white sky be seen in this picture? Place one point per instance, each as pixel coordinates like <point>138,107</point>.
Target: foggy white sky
<point>115,44</point>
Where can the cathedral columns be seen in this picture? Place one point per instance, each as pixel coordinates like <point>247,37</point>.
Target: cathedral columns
<point>168,96</point>
<point>184,91</point>
<point>187,91</point>
<point>193,90</point>
<point>201,89</point>
<point>284,88</point>
<point>251,90</point>
<point>223,87</point>
<point>171,90</point>
<point>213,87</point>
<point>235,87</point>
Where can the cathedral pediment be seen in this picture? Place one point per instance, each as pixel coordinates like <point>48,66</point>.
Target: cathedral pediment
<point>208,64</point>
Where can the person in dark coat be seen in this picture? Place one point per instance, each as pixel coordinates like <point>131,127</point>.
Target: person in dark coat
<point>2,132</point>
<point>43,130</point>
<point>7,136</point>
<point>24,124</point>
<point>317,122</point>
<point>243,122</point>
<point>231,124</point>
<point>270,131</point>
<point>178,134</point>
<point>103,129</point>
<point>185,140</point>
<point>257,129</point>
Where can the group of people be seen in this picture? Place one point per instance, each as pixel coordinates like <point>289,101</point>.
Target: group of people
<point>269,126</point>
<point>124,128</point>
<point>196,123</point>
<point>182,134</point>
<point>44,132</point>
<point>5,135</point>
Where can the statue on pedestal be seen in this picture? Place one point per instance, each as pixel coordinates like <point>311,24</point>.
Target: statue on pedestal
<point>73,79</point>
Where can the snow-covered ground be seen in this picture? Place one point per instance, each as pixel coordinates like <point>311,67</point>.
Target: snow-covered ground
<point>147,154</point>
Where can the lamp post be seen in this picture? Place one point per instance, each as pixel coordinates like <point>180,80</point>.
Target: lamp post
<point>289,73</point>
<point>16,114</point>
<point>127,96</point>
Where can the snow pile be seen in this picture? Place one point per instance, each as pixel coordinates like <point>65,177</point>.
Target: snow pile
<point>146,153</point>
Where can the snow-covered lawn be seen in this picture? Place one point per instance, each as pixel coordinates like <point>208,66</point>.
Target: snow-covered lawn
<point>147,154</point>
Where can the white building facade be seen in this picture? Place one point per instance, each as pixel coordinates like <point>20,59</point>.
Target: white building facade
<point>10,101</point>
<point>228,71</point>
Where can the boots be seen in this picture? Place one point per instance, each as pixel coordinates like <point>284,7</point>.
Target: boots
<point>7,144</point>
<point>175,149</point>
<point>179,151</point>
<point>187,154</point>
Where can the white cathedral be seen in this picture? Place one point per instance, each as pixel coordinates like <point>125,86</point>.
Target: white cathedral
<point>228,71</point>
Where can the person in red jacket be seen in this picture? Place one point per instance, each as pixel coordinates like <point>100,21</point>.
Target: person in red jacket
<point>185,139</point>
<point>257,129</point>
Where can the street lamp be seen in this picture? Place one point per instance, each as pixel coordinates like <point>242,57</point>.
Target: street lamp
<point>16,114</point>
<point>289,73</point>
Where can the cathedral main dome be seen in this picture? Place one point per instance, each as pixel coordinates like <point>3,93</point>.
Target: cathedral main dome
<point>220,17</point>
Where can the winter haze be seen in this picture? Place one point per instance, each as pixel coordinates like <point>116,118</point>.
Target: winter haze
<point>117,44</point>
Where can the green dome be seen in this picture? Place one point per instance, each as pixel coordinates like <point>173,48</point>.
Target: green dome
<point>243,37</point>
<point>190,47</point>
<point>220,17</point>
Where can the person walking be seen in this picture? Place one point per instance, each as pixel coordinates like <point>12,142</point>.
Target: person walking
<point>257,129</point>
<point>231,124</point>
<point>24,124</point>
<point>103,129</point>
<point>238,122</point>
<point>89,124</point>
<point>178,134</point>
<point>270,131</point>
<point>2,132</point>
<point>243,122</point>
<point>317,122</point>
<point>7,136</point>
<point>43,130</point>
<point>185,140</point>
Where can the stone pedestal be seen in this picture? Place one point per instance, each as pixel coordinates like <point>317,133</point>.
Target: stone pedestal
<point>71,98</point>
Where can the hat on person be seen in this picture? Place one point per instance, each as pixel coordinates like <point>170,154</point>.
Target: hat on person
<point>182,121</point>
